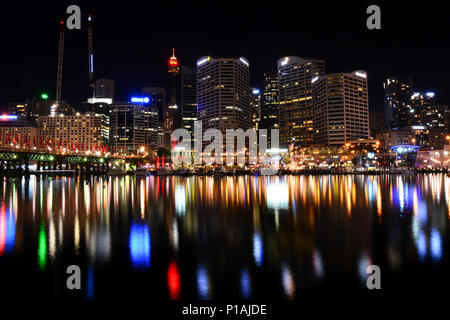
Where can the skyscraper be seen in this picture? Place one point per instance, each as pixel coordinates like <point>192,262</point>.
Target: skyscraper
<point>397,97</point>
<point>255,108</point>
<point>296,98</point>
<point>421,109</point>
<point>269,108</point>
<point>127,133</point>
<point>158,99</point>
<point>188,98</point>
<point>341,108</point>
<point>223,93</point>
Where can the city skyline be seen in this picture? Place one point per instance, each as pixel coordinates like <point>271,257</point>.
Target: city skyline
<point>133,63</point>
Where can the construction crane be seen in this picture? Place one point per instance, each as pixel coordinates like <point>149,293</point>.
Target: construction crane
<point>60,64</point>
<point>91,59</point>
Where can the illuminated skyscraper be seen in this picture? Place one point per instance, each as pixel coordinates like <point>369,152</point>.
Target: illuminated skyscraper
<point>397,106</point>
<point>341,108</point>
<point>296,98</point>
<point>223,93</point>
<point>269,108</point>
<point>255,108</point>
<point>127,133</point>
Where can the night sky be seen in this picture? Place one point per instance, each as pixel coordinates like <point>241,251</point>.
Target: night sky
<point>133,41</point>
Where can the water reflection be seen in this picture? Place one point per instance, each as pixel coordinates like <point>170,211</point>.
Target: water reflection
<point>7,230</point>
<point>232,236</point>
<point>140,246</point>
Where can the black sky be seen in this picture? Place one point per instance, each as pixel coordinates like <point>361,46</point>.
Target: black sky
<point>133,40</point>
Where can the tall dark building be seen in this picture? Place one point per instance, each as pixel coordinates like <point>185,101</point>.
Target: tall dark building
<point>158,99</point>
<point>397,98</point>
<point>269,107</point>
<point>171,115</point>
<point>127,133</point>
<point>296,98</point>
<point>188,98</point>
<point>255,108</point>
<point>422,110</point>
<point>104,89</point>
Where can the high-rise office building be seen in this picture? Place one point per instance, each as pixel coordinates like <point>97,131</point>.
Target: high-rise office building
<point>223,93</point>
<point>422,109</point>
<point>188,98</point>
<point>341,108</point>
<point>127,132</point>
<point>397,106</point>
<point>255,108</point>
<point>158,99</point>
<point>269,107</point>
<point>296,98</point>
<point>151,125</point>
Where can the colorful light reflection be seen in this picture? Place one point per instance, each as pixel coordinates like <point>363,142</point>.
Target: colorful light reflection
<point>140,246</point>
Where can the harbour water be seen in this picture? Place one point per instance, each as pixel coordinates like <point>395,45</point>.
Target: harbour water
<point>201,238</point>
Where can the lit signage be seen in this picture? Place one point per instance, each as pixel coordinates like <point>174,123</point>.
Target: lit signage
<point>314,79</point>
<point>140,99</point>
<point>173,62</point>
<point>203,61</point>
<point>244,61</point>
<point>418,127</point>
<point>285,61</point>
<point>361,74</point>
<point>7,117</point>
<point>405,148</point>
<point>255,91</point>
<point>44,96</point>
<point>430,94</point>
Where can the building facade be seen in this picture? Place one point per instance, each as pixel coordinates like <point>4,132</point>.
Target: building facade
<point>223,93</point>
<point>269,106</point>
<point>188,98</point>
<point>127,127</point>
<point>397,102</point>
<point>341,108</point>
<point>81,132</point>
<point>255,108</point>
<point>104,89</point>
<point>296,98</point>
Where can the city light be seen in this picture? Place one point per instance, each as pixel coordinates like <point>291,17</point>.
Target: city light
<point>203,61</point>
<point>244,61</point>
<point>44,96</point>
<point>140,99</point>
<point>7,117</point>
<point>361,74</point>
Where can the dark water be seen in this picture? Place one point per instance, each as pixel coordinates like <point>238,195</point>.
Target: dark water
<point>223,238</point>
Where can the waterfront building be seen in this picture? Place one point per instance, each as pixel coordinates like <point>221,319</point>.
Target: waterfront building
<point>295,98</point>
<point>223,93</point>
<point>341,108</point>
<point>397,102</point>
<point>78,131</point>
<point>127,127</point>
<point>188,98</point>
